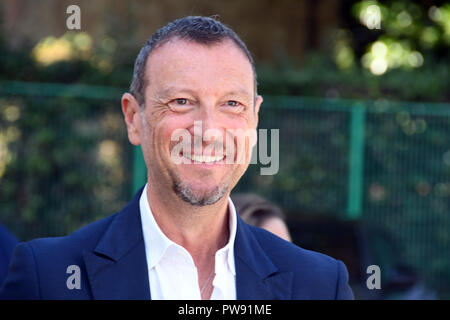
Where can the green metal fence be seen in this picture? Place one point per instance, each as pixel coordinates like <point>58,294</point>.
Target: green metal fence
<point>384,165</point>
<point>64,155</point>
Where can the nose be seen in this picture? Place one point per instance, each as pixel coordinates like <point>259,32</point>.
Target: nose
<point>207,125</point>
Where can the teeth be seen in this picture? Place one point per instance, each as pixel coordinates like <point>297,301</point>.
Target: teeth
<point>205,159</point>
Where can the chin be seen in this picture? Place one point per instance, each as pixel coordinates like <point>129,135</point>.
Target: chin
<point>199,196</point>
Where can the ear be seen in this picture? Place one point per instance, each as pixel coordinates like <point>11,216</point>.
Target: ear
<point>132,115</point>
<point>258,102</point>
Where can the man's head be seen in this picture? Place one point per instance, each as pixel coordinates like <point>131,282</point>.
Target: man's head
<point>202,30</point>
<point>194,70</point>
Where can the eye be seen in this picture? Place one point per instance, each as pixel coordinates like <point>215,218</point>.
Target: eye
<point>180,104</point>
<point>232,103</point>
<point>181,101</point>
<point>234,106</point>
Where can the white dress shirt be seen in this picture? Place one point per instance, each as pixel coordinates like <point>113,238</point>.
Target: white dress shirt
<point>171,270</point>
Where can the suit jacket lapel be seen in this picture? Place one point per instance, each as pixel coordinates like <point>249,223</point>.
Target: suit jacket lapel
<point>117,268</point>
<point>257,278</point>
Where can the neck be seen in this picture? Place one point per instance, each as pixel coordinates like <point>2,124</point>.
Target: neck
<point>200,230</point>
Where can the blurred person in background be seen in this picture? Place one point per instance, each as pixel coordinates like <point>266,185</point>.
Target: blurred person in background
<point>259,212</point>
<point>7,243</point>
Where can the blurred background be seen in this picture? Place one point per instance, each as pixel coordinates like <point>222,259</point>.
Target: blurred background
<point>359,91</point>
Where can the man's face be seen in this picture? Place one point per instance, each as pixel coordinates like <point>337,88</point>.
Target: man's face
<point>190,82</point>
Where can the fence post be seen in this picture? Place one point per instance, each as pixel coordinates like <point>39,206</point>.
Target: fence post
<point>356,162</point>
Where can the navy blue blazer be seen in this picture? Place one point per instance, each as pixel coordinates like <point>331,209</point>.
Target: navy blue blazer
<point>7,243</point>
<point>110,255</point>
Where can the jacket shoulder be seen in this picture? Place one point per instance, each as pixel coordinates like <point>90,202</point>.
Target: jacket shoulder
<point>84,238</point>
<point>39,268</point>
<point>279,249</point>
<point>315,275</point>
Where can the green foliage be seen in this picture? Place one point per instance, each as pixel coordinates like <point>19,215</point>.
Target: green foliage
<point>97,66</point>
<point>318,76</point>
<point>394,62</point>
<point>404,34</point>
<point>64,158</point>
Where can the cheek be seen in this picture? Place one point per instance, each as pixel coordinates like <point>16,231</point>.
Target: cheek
<point>170,130</point>
<point>242,122</point>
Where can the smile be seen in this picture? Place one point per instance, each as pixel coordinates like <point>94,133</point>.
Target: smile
<point>203,158</point>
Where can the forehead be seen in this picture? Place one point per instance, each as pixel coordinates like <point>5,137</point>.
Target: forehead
<point>221,65</point>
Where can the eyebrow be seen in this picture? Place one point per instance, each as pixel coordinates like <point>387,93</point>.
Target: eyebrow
<point>172,90</point>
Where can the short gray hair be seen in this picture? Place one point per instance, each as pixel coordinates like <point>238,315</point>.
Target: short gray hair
<point>203,30</point>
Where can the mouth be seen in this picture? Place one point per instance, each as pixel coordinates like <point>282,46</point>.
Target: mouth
<point>204,159</point>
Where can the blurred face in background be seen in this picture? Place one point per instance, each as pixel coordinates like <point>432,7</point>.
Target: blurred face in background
<point>277,226</point>
<point>190,82</point>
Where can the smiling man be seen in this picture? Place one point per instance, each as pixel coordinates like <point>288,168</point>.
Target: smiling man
<point>180,237</point>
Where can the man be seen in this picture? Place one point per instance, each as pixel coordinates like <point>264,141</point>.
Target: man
<point>180,237</point>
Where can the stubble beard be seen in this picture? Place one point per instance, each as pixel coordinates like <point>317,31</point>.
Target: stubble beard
<point>186,193</point>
